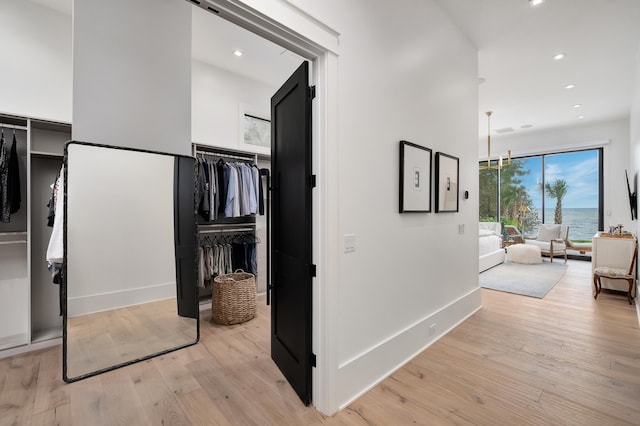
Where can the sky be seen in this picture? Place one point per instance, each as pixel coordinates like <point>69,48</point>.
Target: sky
<point>578,169</point>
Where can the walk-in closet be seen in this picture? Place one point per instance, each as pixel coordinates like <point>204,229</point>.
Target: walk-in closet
<point>30,315</point>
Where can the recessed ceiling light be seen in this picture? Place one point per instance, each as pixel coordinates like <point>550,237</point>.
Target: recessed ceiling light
<point>237,52</point>
<point>534,3</point>
<point>576,105</point>
<point>580,117</point>
<point>559,56</point>
<point>569,86</point>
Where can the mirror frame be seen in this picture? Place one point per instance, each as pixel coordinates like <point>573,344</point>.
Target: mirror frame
<point>64,266</point>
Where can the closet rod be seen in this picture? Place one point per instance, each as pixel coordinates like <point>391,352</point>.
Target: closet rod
<point>12,126</point>
<point>217,154</point>
<point>216,231</point>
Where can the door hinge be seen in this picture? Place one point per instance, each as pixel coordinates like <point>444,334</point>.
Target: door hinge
<point>312,269</point>
<point>312,181</point>
<point>312,92</point>
<point>313,359</point>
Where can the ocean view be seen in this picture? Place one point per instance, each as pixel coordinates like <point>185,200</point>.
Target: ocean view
<point>583,223</point>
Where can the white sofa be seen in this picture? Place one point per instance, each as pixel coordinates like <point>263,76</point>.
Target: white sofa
<point>490,245</point>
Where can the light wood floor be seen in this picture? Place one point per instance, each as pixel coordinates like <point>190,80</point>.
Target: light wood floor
<point>104,339</point>
<point>565,359</point>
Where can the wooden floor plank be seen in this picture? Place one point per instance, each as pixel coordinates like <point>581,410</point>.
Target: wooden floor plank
<point>564,359</point>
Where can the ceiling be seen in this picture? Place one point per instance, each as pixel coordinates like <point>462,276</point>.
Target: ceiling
<point>522,84</point>
<point>215,39</point>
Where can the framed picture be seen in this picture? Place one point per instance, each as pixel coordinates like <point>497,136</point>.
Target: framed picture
<point>447,174</point>
<point>415,178</point>
<point>255,130</point>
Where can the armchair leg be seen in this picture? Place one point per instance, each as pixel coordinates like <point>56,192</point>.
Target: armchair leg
<point>629,292</point>
<point>596,282</point>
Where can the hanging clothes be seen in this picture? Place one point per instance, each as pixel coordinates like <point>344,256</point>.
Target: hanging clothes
<point>52,201</point>
<point>13,178</point>
<point>223,178</point>
<point>213,191</point>
<point>5,212</point>
<point>55,249</point>
<point>228,189</point>
<point>260,191</point>
<point>224,255</point>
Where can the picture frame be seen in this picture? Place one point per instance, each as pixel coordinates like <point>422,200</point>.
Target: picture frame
<point>447,172</point>
<point>415,178</point>
<point>254,129</point>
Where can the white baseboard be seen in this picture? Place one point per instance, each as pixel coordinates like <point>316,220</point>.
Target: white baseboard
<point>119,299</point>
<point>364,371</point>
<point>30,347</point>
<point>14,340</point>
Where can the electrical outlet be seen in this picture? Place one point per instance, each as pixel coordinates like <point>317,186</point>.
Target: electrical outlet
<point>432,329</point>
<point>349,243</point>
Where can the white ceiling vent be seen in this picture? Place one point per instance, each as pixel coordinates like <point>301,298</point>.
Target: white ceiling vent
<point>504,130</point>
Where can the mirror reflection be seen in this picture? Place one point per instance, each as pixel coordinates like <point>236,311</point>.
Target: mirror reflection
<point>129,229</point>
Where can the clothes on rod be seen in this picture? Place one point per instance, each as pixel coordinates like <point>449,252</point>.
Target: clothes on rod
<point>4,182</point>
<point>55,189</point>
<point>228,189</point>
<point>13,180</point>
<point>10,197</point>
<point>55,249</point>
<point>224,254</point>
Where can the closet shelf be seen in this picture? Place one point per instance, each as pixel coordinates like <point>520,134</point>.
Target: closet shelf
<point>46,334</point>
<point>231,155</point>
<point>13,238</point>
<point>47,154</point>
<point>207,230</point>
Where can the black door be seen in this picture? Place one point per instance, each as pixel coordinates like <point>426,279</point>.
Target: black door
<point>291,231</point>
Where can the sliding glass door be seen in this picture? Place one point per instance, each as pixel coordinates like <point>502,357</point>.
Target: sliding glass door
<point>550,188</point>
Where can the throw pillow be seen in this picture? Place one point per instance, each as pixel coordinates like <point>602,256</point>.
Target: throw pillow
<point>548,232</point>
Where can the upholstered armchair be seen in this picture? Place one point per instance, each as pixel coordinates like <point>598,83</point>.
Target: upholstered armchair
<point>551,240</point>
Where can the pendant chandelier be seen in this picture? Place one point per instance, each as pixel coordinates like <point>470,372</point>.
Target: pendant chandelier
<point>500,161</point>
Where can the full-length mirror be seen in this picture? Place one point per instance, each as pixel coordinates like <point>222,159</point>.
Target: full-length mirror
<point>129,270</point>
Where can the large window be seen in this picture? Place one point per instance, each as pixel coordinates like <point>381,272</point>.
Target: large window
<point>551,188</point>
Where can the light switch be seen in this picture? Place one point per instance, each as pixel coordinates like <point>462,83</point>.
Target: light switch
<point>349,243</point>
<point>461,228</point>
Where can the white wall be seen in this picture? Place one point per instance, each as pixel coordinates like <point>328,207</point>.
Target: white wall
<point>612,135</point>
<point>635,143</point>
<point>132,74</point>
<point>35,76</point>
<point>218,99</point>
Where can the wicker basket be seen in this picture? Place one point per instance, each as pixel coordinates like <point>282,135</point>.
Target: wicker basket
<point>233,298</point>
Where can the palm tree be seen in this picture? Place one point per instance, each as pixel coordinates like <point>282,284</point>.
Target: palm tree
<point>558,191</point>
